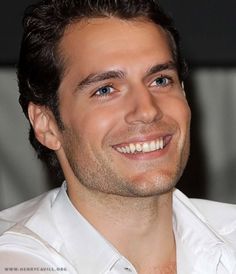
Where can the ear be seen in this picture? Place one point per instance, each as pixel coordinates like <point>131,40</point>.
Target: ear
<point>45,127</point>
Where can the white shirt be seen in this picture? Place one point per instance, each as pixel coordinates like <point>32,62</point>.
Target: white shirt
<point>48,235</point>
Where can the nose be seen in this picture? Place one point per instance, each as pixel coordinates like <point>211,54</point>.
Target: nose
<point>143,107</point>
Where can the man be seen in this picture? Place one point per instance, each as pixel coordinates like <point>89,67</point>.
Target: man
<point>102,85</point>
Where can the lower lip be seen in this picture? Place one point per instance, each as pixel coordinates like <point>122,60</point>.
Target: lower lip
<point>147,155</point>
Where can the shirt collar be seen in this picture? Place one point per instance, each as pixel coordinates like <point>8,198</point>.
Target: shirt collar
<point>199,246</point>
<point>87,249</point>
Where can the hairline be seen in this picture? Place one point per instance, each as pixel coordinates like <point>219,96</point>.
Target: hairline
<point>62,60</point>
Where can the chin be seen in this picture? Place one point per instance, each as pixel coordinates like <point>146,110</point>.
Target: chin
<point>147,186</point>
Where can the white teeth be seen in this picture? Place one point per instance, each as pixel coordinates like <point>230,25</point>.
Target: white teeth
<point>161,143</point>
<point>157,144</point>
<point>138,147</point>
<point>142,147</point>
<point>152,146</point>
<point>119,149</point>
<point>123,150</point>
<point>132,148</point>
<point>146,147</point>
<point>127,149</point>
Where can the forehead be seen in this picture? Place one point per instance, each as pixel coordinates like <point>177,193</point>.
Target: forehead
<point>111,41</point>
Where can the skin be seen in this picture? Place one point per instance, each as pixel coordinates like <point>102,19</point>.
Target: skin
<point>141,100</point>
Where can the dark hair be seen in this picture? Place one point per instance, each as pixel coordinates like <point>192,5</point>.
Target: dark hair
<point>40,68</point>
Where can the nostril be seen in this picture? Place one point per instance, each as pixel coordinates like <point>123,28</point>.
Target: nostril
<point>144,113</point>
<point>142,106</point>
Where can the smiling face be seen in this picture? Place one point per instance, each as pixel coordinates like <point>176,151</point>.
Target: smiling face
<point>125,114</point>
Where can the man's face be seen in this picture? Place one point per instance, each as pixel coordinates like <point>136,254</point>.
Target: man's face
<point>125,114</point>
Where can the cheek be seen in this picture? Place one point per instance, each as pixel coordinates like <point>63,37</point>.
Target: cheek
<point>183,115</point>
<point>178,110</point>
<point>183,118</point>
<point>94,124</point>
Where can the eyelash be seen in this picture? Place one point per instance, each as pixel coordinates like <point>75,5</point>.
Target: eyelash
<point>101,88</point>
<point>162,77</point>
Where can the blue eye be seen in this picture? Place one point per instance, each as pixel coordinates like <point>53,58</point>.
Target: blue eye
<point>161,82</point>
<point>103,91</point>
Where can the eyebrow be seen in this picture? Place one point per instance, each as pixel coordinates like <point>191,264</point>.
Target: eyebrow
<point>118,74</point>
<point>98,77</point>
<point>160,67</point>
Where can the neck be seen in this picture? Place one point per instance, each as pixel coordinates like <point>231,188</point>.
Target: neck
<point>143,233</point>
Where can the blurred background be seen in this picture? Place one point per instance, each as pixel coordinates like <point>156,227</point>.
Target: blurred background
<point>208,32</point>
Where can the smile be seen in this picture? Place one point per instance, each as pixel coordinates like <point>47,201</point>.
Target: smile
<point>144,147</point>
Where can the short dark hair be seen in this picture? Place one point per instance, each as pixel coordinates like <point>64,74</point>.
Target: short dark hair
<point>40,67</point>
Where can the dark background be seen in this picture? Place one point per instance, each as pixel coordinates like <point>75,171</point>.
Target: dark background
<point>207,28</point>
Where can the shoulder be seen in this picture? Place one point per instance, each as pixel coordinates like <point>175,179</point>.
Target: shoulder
<point>21,251</point>
<point>216,212</point>
<point>25,222</point>
<point>22,212</point>
<point>27,234</point>
<point>221,216</point>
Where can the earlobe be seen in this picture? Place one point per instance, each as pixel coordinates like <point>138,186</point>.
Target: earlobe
<point>44,125</point>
